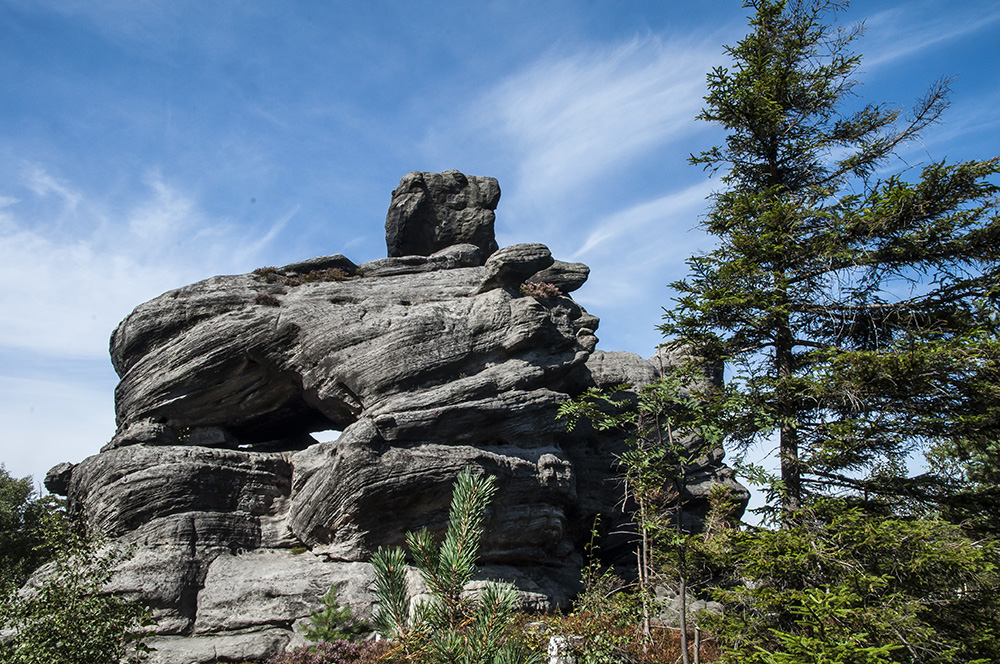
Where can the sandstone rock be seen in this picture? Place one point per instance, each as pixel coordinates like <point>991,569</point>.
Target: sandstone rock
<point>334,262</point>
<point>278,587</point>
<point>567,277</point>
<point>58,478</point>
<point>427,362</point>
<point>167,579</point>
<point>224,493</point>
<point>449,258</point>
<point>511,266</point>
<point>431,211</point>
<point>255,646</point>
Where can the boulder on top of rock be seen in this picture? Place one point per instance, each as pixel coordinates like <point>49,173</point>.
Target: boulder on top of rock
<point>512,266</point>
<point>567,277</point>
<point>432,211</point>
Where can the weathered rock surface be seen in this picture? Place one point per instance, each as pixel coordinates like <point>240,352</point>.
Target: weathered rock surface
<point>432,211</point>
<point>427,362</point>
<point>567,277</point>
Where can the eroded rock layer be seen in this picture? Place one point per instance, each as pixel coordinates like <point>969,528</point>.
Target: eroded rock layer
<point>426,363</point>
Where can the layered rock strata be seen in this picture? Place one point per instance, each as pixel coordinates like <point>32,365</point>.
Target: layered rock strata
<point>425,362</point>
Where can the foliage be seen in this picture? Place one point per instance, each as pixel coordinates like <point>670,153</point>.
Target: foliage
<point>272,275</point>
<point>22,516</point>
<point>856,312</point>
<point>64,616</point>
<point>602,587</point>
<point>338,652</point>
<point>334,622</point>
<point>610,638</point>
<point>449,627</point>
<point>669,427</point>
<point>966,484</point>
<point>329,274</point>
<point>266,299</point>
<point>268,274</point>
<point>842,586</point>
<point>540,289</point>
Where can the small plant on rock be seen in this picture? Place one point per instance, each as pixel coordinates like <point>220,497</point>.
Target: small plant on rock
<point>329,274</point>
<point>450,626</point>
<point>266,300</point>
<point>269,275</point>
<point>540,289</point>
<point>335,622</point>
<point>338,652</point>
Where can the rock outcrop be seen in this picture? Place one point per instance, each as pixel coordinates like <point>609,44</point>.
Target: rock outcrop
<point>425,362</point>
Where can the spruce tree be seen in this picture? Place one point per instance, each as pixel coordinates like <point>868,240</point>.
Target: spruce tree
<point>856,311</point>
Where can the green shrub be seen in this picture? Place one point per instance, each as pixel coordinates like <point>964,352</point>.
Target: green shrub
<point>450,627</point>
<point>334,622</point>
<point>65,617</point>
<point>22,515</point>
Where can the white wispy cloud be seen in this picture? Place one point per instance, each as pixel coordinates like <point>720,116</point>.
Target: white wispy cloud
<point>569,118</point>
<point>69,281</point>
<point>634,254</point>
<point>902,31</point>
<point>677,210</point>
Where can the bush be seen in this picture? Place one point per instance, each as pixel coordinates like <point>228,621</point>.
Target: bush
<point>334,622</point>
<point>540,289</point>
<point>64,616</point>
<point>266,300</point>
<point>22,515</point>
<point>598,638</point>
<point>450,627</point>
<point>846,585</point>
<point>338,652</point>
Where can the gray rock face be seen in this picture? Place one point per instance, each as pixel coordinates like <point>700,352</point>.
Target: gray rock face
<point>432,211</point>
<point>425,363</point>
<point>567,277</point>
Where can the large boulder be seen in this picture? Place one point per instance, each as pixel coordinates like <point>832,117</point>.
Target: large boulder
<point>425,362</point>
<point>432,211</point>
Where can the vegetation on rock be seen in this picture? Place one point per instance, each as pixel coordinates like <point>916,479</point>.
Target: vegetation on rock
<point>450,625</point>
<point>540,289</point>
<point>334,622</point>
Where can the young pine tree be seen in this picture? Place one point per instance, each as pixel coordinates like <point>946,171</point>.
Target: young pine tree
<point>449,627</point>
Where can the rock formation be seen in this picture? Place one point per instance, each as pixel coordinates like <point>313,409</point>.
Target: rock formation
<point>427,361</point>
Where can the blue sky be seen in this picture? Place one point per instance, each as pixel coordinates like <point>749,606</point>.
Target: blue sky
<point>146,144</point>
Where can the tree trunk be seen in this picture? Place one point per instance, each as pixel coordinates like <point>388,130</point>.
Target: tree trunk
<point>788,446</point>
<point>682,597</point>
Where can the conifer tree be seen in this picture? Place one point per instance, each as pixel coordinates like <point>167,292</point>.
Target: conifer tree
<point>856,311</point>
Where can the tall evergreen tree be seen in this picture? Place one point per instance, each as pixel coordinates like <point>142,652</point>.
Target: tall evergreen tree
<point>856,311</point>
